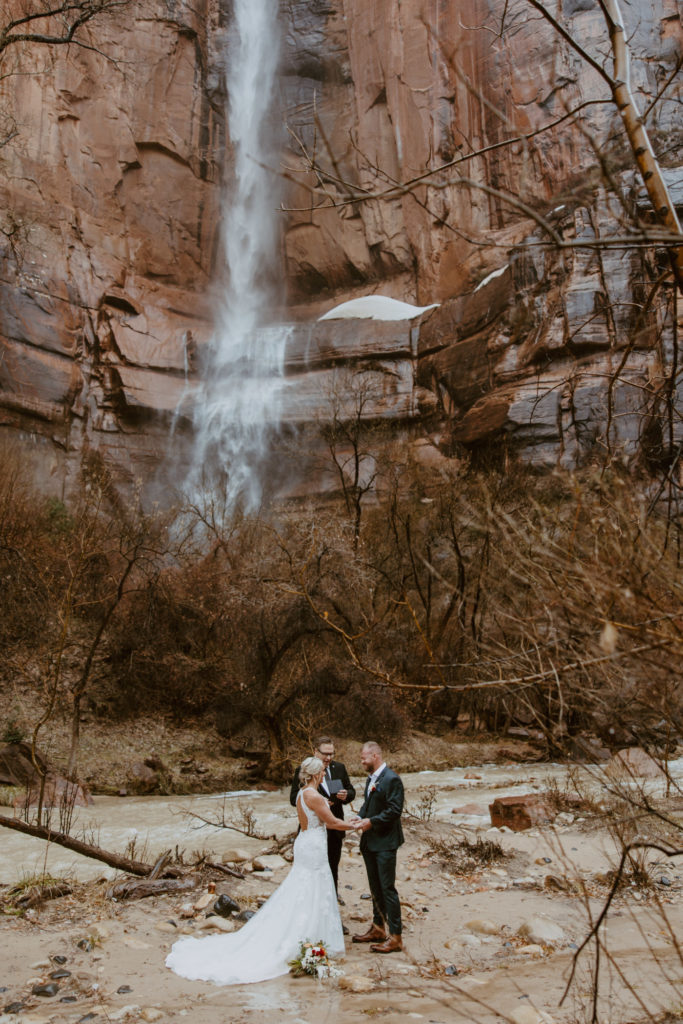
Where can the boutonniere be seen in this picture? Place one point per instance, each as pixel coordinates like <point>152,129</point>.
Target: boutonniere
<point>374,788</point>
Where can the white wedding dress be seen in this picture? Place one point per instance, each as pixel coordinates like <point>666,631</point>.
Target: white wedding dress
<point>303,907</point>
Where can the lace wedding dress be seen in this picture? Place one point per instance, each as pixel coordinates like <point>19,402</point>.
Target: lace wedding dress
<point>303,907</point>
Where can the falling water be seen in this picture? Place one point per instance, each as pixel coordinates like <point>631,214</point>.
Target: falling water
<point>237,407</point>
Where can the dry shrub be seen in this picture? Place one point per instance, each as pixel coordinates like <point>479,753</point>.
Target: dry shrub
<point>463,856</point>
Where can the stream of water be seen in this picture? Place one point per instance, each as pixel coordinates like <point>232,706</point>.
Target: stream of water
<point>237,407</point>
<point>158,823</point>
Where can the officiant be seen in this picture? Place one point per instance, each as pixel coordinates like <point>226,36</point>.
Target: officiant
<point>337,789</point>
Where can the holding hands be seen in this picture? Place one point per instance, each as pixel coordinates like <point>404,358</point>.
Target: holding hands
<point>360,824</point>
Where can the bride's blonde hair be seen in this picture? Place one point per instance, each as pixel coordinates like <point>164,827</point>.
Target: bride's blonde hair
<point>311,767</point>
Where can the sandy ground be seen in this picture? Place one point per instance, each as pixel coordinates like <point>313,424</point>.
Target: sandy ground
<point>464,958</point>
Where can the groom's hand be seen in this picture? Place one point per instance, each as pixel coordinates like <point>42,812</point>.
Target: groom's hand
<point>363,824</point>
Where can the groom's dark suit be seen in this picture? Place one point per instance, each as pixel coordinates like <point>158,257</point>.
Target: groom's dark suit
<point>335,837</point>
<point>383,805</point>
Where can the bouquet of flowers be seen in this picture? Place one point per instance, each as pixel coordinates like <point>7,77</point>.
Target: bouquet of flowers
<point>312,959</point>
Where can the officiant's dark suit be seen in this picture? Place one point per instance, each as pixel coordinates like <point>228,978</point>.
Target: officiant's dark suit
<point>383,806</point>
<point>335,838</point>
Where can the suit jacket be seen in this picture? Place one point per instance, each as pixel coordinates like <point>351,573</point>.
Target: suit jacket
<point>383,806</point>
<point>337,771</point>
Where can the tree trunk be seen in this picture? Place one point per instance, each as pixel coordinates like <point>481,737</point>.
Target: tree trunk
<point>114,860</point>
<point>648,166</point>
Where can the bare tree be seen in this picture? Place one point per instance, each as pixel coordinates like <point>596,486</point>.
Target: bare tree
<point>60,23</point>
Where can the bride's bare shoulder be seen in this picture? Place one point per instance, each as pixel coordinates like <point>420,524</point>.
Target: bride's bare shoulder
<point>312,796</point>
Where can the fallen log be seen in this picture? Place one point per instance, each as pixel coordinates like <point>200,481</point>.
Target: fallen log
<point>114,860</point>
<point>224,869</point>
<point>41,894</point>
<point>139,888</point>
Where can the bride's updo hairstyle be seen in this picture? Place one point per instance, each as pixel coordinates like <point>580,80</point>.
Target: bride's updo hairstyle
<point>311,767</point>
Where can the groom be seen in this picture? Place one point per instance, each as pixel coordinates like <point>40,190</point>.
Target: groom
<point>337,789</point>
<point>381,835</point>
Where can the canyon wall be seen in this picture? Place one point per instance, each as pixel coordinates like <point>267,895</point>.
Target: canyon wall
<point>113,161</point>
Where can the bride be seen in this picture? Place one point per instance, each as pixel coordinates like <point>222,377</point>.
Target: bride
<point>303,907</point>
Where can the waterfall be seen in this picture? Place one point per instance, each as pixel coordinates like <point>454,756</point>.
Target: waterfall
<point>237,407</point>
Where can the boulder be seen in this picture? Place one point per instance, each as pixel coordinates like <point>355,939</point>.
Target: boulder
<point>585,748</point>
<point>483,927</point>
<point>233,856</point>
<point>17,769</point>
<point>541,931</point>
<point>269,862</point>
<point>521,812</point>
<point>16,764</point>
<point>469,809</point>
<point>58,792</point>
<point>143,779</point>
<point>636,763</point>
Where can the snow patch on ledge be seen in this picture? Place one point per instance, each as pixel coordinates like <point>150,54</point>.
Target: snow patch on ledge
<point>376,307</point>
<point>491,276</point>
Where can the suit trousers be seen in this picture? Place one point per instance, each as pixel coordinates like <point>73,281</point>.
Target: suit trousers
<point>381,868</point>
<point>335,839</point>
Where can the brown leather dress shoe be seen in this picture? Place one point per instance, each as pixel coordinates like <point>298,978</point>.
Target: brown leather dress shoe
<point>393,944</point>
<point>373,934</point>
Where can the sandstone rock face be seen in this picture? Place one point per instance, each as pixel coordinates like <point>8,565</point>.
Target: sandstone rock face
<point>110,181</point>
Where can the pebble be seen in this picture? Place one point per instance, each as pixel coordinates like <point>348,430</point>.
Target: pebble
<point>528,1015</point>
<point>225,905</point>
<point>13,1007</point>
<point>541,931</point>
<point>483,927</point>
<point>60,974</point>
<point>69,999</point>
<point>219,923</point>
<point>123,1012</point>
<point>49,990</point>
<point>150,1013</point>
<point>59,959</point>
<point>165,926</point>
<point>234,857</point>
<point>123,989</point>
<point>40,965</point>
<point>532,950</point>
<point>356,984</point>
<point>203,901</point>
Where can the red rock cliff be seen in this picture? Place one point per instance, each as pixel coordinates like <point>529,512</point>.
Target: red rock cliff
<point>111,185</point>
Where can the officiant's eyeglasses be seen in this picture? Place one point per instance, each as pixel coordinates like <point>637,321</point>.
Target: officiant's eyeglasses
<point>327,754</point>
